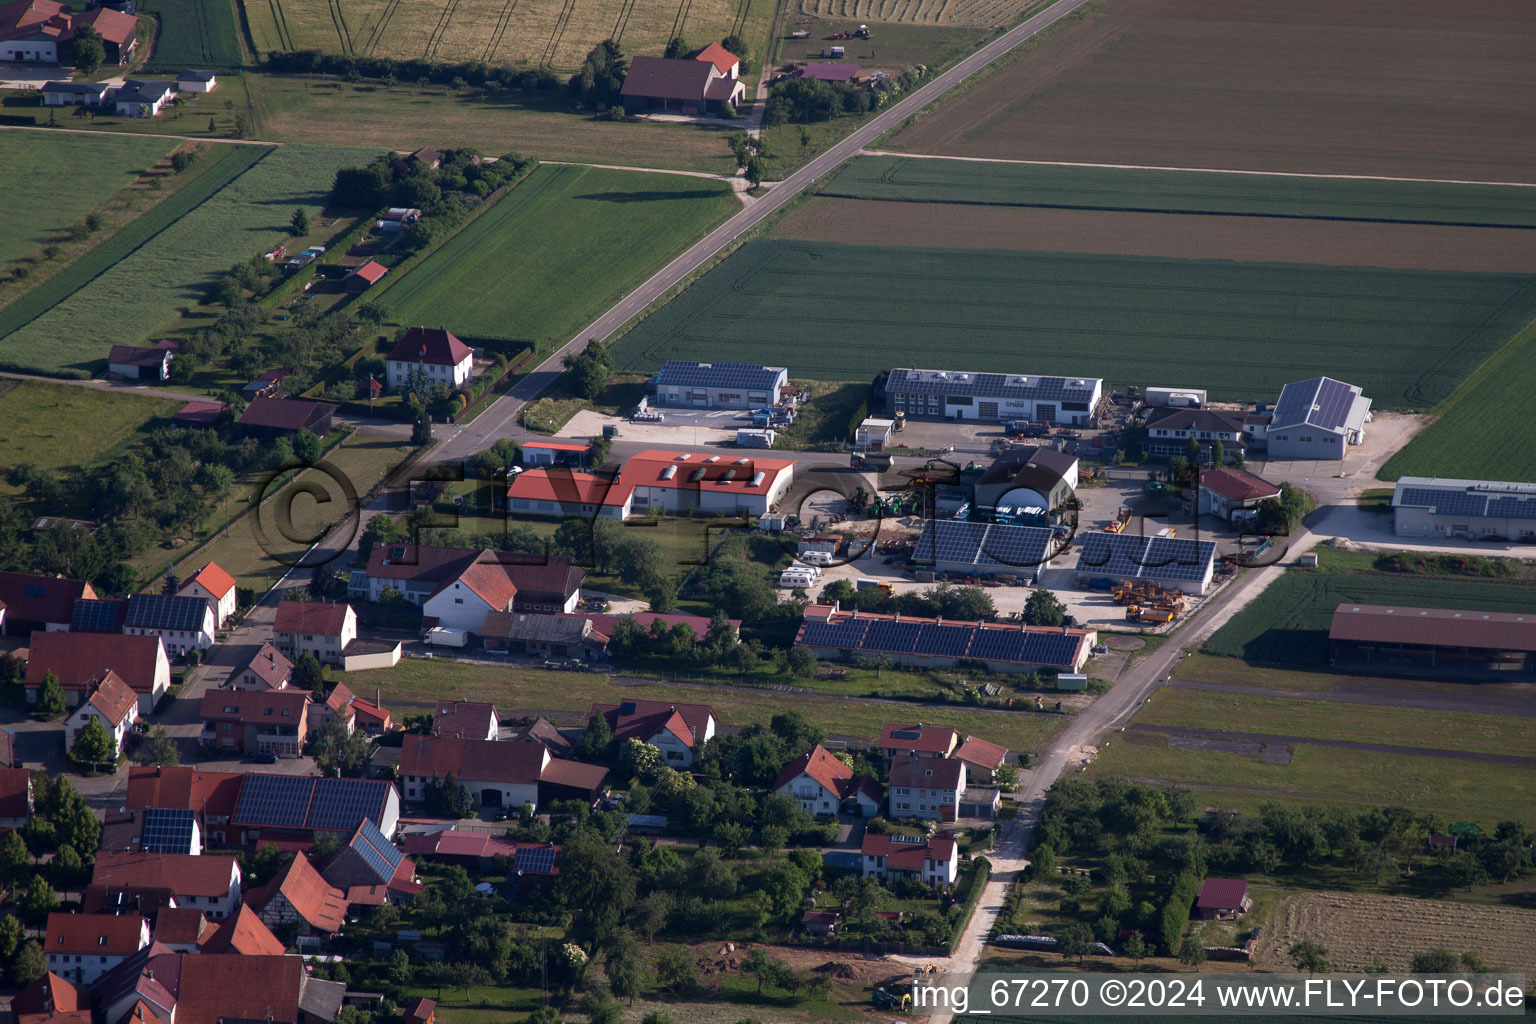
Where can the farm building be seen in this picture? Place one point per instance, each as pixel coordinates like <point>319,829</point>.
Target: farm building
<point>80,661</point>
<point>555,453</point>
<point>828,72</point>
<point>133,362</point>
<point>183,624</point>
<point>296,807</point>
<point>142,99</point>
<point>264,386</point>
<point>199,414</point>
<point>1027,478</point>
<point>1223,899</point>
<point>197,81</point>
<point>724,61</point>
<point>272,416</point>
<point>1170,562</point>
<point>1317,419</point>
<point>1225,492</point>
<point>551,636</point>
<point>75,94</point>
<point>993,397</point>
<point>929,643</point>
<point>360,279</point>
<point>32,602</point>
<point>1475,509</point>
<point>966,548</point>
<point>1176,398</point>
<point>1432,638</point>
<point>673,482</point>
<point>873,434</point>
<point>718,385</point>
<point>432,350</point>
<point>104,616</point>
<point>693,87</point>
<point>41,31</point>
<point>1168,432</point>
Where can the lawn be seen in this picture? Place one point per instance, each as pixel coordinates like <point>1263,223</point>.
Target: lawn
<point>1242,330</point>
<point>362,458</point>
<point>1404,727</point>
<point>1288,623</point>
<point>64,426</point>
<point>1450,787</point>
<point>98,166</point>
<point>134,289</point>
<point>520,690</point>
<point>1459,443</point>
<point>500,32</point>
<point>195,34</point>
<point>543,124</point>
<point>1108,188</point>
<point>557,250</point>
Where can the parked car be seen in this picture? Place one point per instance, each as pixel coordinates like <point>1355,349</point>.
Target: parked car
<point>264,757</point>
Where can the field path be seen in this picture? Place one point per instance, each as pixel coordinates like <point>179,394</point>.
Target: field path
<point>1312,741</point>
<point>1189,170</point>
<point>147,135</point>
<point>1520,707</point>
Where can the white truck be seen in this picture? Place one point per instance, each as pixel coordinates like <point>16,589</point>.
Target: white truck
<point>439,636</point>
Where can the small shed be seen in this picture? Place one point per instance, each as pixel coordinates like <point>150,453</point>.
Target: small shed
<point>196,81</point>
<point>1223,899</point>
<point>873,434</point>
<point>365,276</point>
<point>199,414</point>
<point>828,72</point>
<point>820,922</point>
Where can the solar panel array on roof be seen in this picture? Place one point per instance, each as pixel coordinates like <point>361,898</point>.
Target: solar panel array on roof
<point>942,640</point>
<point>305,802</point>
<point>1321,401</point>
<point>94,617</point>
<point>534,860</point>
<point>1156,558</point>
<point>167,830</point>
<point>991,385</point>
<point>381,856</point>
<point>1459,501</point>
<point>165,611</point>
<point>747,376</point>
<point>993,547</point>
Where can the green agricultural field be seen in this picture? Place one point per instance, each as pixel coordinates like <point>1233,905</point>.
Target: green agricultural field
<point>133,290</point>
<point>63,426</point>
<point>557,250</point>
<point>1241,329</point>
<point>1143,191</point>
<point>99,165</point>
<point>195,34</point>
<point>1288,623</point>
<point>1461,443</point>
<point>1454,788</point>
<point>527,33</point>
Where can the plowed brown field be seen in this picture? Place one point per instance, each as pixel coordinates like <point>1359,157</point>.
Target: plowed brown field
<point>1404,88</point>
<point>1356,928</point>
<point>1181,236</point>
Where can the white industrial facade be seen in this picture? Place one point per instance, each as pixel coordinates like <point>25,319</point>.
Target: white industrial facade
<point>993,397</point>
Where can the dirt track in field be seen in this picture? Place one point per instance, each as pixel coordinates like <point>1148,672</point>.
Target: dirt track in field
<point>1356,928</point>
<point>1181,236</point>
<point>1412,88</point>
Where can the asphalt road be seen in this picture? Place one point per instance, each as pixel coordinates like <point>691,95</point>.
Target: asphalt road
<point>496,421</point>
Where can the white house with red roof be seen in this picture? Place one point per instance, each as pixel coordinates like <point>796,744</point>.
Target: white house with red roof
<point>550,453</point>
<point>935,861</point>
<point>726,62</point>
<point>444,358</point>
<point>81,661</point>
<point>41,31</point>
<point>83,947</point>
<point>314,627</point>
<point>981,757</point>
<point>113,704</point>
<point>679,730</point>
<point>215,586</point>
<point>1225,492</point>
<point>822,784</point>
<point>926,787</point>
<point>918,740</point>
<point>657,480</point>
<point>462,603</point>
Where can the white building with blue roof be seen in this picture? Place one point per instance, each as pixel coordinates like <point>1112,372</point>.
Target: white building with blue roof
<point>1317,419</point>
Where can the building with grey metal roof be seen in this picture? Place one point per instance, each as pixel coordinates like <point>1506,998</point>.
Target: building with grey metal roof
<point>1476,509</point>
<point>1398,640</point>
<point>720,385</point>
<point>1317,418</point>
<point>992,397</point>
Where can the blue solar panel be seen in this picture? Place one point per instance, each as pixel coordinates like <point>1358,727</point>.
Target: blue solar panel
<point>534,860</point>
<point>277,800</point>
<point>163,611</point>
<point>848,634</point>
<point>341,803</point>
<point>1136,557</point>
<point>998,644</point>
<point>945,641</point>
<point>167,830</point>
<point>94,617</point>
<point>993,547</point>
<point>381,856</point>
<point>746,376</point>
<point>896,637</point>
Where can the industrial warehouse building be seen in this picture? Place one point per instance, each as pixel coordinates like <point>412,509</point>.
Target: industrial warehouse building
<point>684,384</point>
<point>1435,639</point>
<point>993,397</point>
<point>1027,477</point>
<point>1476,509</point>
<point>935,643</point>
<point>1317,419</point>
<point>989,549</point>
<point>1170,562</point>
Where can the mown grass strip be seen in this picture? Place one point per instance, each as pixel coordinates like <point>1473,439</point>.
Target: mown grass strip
<point>233,161</point>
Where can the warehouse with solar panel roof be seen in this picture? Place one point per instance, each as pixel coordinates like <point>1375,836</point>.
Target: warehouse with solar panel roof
<point>1317,419</point>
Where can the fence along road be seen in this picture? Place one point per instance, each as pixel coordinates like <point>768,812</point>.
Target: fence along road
<point>493,423</point>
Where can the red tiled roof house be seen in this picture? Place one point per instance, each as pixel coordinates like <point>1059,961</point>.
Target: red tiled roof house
<point>926,787</point>
<point>935,861</point>
<point>41,31</point>
<point>209,882</point>
<point>82,660</point>
<point>1223,899</point>
<point>679,730</point>
<point>822,784</point>
<point>255,721</point>
<point>314,627</point>
<point>83,947</point>
<point>432,351</point>
<point>114,704</point>
<point>1226,492</point>
<point>215,586</point>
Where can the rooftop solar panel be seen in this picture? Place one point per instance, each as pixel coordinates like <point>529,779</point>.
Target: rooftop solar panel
<point>746,376</point>
<point>535,860</point>
<point>849,634</point>
<point>998,644</point>
<point>945,641</point>
<point>339,804</point>
<point>280,801</point>
<point>167,830</point>
<point>165,611</point>
<point>381,856</point>
<point>94,617</point>
<point>1136,557</point>
<point>896,637</point>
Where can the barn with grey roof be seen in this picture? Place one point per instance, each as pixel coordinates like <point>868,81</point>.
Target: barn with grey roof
<point>993,397</point>
<point>1317,419</point>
